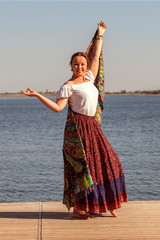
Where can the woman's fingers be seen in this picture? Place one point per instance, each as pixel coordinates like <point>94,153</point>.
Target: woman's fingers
<point>102,25</point>
<point>24,92</point>
<point>29,90</point>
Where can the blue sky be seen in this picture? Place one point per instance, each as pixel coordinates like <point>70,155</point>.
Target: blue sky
<point>38,39</point>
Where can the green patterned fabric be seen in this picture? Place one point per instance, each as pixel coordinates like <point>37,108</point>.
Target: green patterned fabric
<point>77,177</point>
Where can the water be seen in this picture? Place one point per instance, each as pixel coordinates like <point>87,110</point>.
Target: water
<point>31,138</point>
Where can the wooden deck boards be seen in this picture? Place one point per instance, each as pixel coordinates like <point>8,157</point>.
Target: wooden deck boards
<point>138,220</point>
<point>19,221</point>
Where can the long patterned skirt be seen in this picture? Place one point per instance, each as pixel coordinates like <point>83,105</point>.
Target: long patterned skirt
<point>105,167</point>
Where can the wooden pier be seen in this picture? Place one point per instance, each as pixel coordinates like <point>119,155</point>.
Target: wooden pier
<point>137,220</point>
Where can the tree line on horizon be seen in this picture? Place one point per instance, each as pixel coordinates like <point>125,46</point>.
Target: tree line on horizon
<point>106,92</point>
<point>136,92</point>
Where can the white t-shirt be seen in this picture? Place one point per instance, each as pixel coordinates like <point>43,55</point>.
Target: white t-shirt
<point>83,97</point>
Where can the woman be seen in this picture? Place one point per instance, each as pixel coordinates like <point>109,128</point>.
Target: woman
<point>93,175</point>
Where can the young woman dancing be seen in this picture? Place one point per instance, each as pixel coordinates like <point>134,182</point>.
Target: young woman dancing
<point>93,176</point>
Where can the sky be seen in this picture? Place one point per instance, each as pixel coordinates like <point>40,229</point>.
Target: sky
<point>37,39</point>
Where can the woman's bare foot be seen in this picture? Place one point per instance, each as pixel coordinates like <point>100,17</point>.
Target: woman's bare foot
<point>113,212</point>
<point>80,214</point>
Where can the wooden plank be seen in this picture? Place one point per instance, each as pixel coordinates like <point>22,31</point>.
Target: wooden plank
<point>137,221</point>
<point>19,221</point>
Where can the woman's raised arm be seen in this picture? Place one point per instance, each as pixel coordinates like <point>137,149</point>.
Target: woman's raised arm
<point>57,106</point>
<point>97,49</point>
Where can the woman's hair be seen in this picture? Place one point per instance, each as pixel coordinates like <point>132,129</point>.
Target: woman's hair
<point>83,55</point>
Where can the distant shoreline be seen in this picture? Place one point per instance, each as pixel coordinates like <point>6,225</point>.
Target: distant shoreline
<point>5,95</point>
<point>10,95</point>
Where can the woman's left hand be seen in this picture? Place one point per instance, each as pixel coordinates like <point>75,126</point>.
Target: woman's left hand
<point>101,28</point>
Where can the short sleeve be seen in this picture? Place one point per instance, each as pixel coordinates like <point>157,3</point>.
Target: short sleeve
<point>89,75</point>
<point>65,91</point>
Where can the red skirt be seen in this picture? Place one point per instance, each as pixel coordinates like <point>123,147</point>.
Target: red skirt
<point>105,167</point>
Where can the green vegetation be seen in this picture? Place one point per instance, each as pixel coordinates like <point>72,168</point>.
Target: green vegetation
<point>137,92</point>
<point>54,94</point>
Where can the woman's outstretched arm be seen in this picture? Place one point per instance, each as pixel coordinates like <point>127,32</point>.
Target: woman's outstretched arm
<point>97,49</point>
<point>57,106</point>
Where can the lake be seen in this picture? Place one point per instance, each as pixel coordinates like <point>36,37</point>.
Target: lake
<point>31,139</point>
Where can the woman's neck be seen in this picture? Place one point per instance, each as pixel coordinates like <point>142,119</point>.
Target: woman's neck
<point>80,78</point>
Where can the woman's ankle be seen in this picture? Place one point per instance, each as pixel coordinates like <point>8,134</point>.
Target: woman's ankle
<point>80,214</point>
<point>113,212</point>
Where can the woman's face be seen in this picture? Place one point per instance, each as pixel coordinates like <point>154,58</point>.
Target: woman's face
<point>79,66</point>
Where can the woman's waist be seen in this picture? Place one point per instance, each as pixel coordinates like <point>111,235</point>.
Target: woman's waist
<point>82,114</point>
<point>83,110</point>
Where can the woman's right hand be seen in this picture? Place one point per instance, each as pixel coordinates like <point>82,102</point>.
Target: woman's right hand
<point>57,106</point>
<point>30,93</point>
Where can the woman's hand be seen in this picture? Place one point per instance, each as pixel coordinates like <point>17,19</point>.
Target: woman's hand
<point>30,93</point>
<point>56,107</point>
<point>101,28</point>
